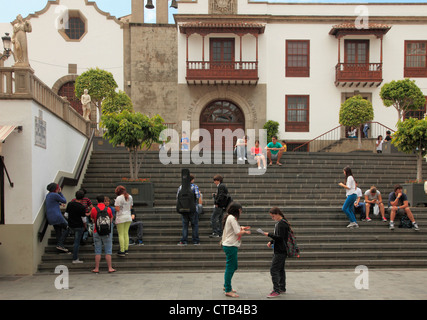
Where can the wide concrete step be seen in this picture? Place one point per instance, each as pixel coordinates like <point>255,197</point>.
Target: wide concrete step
<point>305,187</point>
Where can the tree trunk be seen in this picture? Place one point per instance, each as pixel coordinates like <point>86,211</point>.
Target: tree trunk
<point>359,138</point>
<point>130,164</point>
<point>419,167</point>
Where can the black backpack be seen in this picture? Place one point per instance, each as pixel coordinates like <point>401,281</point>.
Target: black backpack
<point>102,222</point>
<point>292,248</point>
<point>185,202</point>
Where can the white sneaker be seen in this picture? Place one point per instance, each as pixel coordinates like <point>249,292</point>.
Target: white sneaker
<point>77,261</point>
<point>259,167</point>
<point>353,225</point>
<point>240,159</point>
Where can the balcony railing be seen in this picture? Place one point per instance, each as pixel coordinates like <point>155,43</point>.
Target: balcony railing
<point>359,72</point>
<point>205,71</point>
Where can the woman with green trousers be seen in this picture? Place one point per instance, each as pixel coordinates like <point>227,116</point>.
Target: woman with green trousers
<point>123,206</point>
<point>231,240</point>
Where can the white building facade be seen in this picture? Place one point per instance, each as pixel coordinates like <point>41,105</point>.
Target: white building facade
<point>69,37</point>
<point>294,63</point>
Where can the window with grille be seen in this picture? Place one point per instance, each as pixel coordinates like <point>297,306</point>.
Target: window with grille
<point>297,113</point>
<point>415,59</point>
<point>297,58</point>
<point>76,28</point>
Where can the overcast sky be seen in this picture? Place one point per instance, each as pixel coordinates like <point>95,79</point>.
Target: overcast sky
<point>119,8</point>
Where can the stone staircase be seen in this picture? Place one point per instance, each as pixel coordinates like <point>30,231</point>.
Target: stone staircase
<point>305,187</point>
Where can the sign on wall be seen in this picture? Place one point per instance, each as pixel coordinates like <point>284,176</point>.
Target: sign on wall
<point>40,131</point>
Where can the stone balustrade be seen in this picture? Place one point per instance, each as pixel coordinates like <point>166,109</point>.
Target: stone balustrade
<point>21,83</point>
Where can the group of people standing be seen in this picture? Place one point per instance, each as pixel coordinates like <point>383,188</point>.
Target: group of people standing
<point>81,216</point>
<point>225,225</point>
<point>397,201</point>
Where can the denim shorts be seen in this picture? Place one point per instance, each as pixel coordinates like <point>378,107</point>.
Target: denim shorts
<point>103,240</point>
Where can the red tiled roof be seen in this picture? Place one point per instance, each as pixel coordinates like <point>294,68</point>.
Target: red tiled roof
<point>353,26</point>
<point>222,25</point>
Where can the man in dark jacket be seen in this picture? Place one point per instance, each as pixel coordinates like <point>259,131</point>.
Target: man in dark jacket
<point>221,201</point>
<point>278,242</point>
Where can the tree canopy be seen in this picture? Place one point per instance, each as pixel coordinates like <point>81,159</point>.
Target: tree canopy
<point>99,83</point>
<point>403,95</point>
<point>411,137</point>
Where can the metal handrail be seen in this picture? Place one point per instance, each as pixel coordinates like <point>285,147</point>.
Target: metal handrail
<point>323,134</point>
<point>65,181</point>
<point>339,127</point>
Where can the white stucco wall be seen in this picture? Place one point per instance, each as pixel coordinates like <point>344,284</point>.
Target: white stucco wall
<point>30,167</point>
<point>325,97</point>
<point>50,54</point>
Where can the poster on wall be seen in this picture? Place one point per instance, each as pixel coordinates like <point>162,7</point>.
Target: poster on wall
<point>40,131</point>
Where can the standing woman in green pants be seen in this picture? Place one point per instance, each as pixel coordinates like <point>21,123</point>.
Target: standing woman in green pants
<point>123,206</point>
<point>231,240</point>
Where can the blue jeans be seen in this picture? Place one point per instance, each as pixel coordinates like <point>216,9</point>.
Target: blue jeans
<point>348,207</point>
<point>61,231</point>
<point>98,241</point>
<point>78,233</point>
<point>192,218</point>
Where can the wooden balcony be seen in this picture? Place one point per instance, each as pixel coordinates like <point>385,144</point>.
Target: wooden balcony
<point>358,74</point>
<point>237,72</point>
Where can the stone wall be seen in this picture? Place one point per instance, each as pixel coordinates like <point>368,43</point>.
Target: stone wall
<point>151,70</point>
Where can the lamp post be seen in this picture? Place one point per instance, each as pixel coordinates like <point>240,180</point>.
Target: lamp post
<point>7,43</point>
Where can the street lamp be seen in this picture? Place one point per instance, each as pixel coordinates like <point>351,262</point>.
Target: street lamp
<point>7,43</point>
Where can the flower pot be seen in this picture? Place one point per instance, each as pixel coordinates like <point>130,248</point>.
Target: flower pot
<point>415,193</point>
<point>141,192</point>
<point>389,148</point>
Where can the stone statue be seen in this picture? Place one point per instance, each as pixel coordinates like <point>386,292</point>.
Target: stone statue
<point>19,40</point>
<point>86,100</point>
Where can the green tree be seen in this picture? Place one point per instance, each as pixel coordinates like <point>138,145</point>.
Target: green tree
<point>411,137</point>
<point>272,128</point>
<point>354,112</point>
<point>403,95</point>
<point>117,102</point>
<point>135,131</point>
<point>99,83</point>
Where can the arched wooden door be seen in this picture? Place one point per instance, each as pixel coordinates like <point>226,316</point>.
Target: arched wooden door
<point>222,114</point>
<point>67,90</point>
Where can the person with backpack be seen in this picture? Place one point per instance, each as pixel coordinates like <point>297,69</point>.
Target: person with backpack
<point>221,200</point>
<point>278,243</point>
<point>191,217</point>
<point>102,218</point>
<point>123,206</point>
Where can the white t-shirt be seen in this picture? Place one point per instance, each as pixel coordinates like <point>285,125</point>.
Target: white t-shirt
<point>124,214</point>
<point>350,184</point>
<point>229,235</point>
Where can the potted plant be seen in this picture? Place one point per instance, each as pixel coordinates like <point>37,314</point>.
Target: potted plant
<point>136,132</point>
<point>411,137</point>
